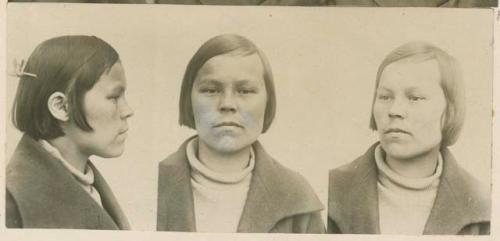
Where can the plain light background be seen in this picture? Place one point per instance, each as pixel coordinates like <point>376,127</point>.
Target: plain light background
<point>324,62</point>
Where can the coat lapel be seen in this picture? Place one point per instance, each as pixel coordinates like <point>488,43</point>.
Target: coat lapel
<point>109,201</point>
<point>47,195</point>
<point>458,201</point>
<point>175,196</point>
<point>353,196</point>
<point>274,194</point>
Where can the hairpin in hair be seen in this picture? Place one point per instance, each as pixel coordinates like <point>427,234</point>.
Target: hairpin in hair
<point>19,69</point>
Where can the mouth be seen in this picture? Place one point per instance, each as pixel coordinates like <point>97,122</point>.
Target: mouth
<point>396,131</point>
<point>123,132</point>
<point>228,124</point>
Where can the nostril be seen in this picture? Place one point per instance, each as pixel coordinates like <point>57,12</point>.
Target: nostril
<point>227,108</point>
<point>395,115</point>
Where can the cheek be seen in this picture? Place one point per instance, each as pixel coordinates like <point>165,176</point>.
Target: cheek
<point>253,117</point>
<point>430,122</point>
<point>378,114</point>
<point>254,113</point>
<point>202,112</point>
<point>103,117</point>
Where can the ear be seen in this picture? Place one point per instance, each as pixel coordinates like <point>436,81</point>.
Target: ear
<point>58,107</point>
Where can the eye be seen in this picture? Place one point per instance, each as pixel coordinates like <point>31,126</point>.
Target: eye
<point>415,98</point>
<point>383,97</point>
<point>246,91</point>
<point>114,98</point>
<point>209,90</point>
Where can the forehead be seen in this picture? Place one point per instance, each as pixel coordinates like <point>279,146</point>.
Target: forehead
<point>114,77</point>
<point>408,73</point>
<point>232,67</point>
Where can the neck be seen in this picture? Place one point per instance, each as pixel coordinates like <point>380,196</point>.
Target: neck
<point>423,165</point>
<point>70,152</point>
<point>223,162</point>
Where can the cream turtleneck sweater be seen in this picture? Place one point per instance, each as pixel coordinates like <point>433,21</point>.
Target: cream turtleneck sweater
<point>86,180</point>
<point>404,203</point>
<point>219,198</point>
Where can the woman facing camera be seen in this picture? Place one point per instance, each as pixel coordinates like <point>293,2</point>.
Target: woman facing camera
<point>409,182</point>
<point>222,180</point>
<point>70,105</point>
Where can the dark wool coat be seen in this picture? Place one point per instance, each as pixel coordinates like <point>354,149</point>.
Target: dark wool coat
<point>460,207</point>
<point>279,200</point>
<point>42,193</point>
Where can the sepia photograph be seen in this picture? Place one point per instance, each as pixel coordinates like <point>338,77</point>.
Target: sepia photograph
<point>222,180</point>
<point>418,111</point>
<point>171,119</point>
<point>69,105</point>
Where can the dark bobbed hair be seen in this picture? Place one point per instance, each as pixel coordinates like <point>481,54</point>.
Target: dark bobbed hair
<point>451,83</point>
<point>220,45</point>
<point>66,64</point>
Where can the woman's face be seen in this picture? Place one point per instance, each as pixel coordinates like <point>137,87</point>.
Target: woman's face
<point>107,111</point>
<point>409,108</point>
<point>229,100</point>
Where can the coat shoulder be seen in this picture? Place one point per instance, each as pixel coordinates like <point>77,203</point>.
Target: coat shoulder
<point>12,215</point>
<point>295,182</point>
<point>179,157</point>
<point>476,193</point>
<point>25,169</point>
<point>171,160</point>
<point>352,171</point>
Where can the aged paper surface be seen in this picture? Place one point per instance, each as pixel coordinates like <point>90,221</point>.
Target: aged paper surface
<point>324,63</point>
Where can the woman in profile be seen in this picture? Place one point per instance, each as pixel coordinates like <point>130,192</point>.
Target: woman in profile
<point>222,180</point>
<point>70,105</point>
<point>409,182</point>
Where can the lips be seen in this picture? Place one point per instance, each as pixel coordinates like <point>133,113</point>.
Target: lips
<point>396,130</point>
<point>228,123</point>
<point>123,131</point>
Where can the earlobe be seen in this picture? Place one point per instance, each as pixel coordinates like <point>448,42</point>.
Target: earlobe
<point>57,105</point>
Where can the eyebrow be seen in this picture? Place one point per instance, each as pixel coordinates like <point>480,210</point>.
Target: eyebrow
<point>119,89</point>
<point>208,81</point>
<point>408,90</point>
<point>243,82</point>
<point>216,82</point>
<point>379,88</point>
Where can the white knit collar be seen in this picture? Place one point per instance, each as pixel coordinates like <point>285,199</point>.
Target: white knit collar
<point>198,168</point>
<point>86,178</point>
<point>410,183</point>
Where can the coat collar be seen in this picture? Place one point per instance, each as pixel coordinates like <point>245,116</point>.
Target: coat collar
<point>175,198</point>
<point>47,195</point>
<point>275,193</point>
<point>353,197</point>
<point>458,201</point>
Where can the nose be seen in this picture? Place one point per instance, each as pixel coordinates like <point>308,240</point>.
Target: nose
<point>227,102</point>
<point>398,109</point>
<point>127,111</point>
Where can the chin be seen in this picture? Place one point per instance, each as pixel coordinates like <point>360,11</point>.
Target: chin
<point>396,150</point>
<point>404,152</point>
<point>111,153</point>
<point>229,145</point>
